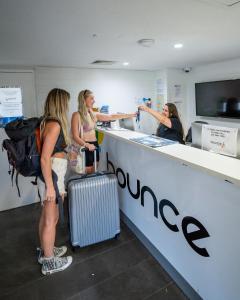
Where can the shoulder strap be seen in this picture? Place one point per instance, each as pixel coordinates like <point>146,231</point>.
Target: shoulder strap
<point>49,118</point>
<point>80,127</point>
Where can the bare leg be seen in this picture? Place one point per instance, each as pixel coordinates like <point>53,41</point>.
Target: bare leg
<point>89,170</point>
<point>47,227</point>
<point>40,227</point>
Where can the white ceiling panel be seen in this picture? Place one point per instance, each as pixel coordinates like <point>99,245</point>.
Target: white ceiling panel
<point>75,33</point>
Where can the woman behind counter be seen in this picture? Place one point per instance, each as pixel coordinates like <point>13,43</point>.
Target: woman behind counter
<point>170,126</point>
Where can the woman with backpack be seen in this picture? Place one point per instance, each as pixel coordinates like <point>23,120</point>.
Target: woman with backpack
<point>54,139</point>
<point>84,123</point>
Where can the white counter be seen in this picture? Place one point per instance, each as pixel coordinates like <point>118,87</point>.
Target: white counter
<point>186,203</point>
<point>225,167</point>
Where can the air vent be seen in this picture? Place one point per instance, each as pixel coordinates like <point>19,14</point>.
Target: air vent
<point>104,62</point>
<point>222,2</point>
<point>228,2</point>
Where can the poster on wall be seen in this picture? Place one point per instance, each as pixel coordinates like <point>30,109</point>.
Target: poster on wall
<point>222,140</point>
<point>177,91</point>
<point>160,92</point>
<point>10,104</point>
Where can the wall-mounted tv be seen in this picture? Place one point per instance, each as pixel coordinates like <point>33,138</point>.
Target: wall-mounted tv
<point>218,99</point>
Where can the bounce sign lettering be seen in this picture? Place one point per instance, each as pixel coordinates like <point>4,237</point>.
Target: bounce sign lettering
<point>191,237</point>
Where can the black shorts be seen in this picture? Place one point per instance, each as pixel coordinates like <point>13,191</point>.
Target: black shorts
<point>90,154</point>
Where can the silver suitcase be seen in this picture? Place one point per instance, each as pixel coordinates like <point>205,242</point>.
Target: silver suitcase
<point>93,208</point>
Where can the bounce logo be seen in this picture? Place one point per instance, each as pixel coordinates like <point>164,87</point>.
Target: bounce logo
<point>158,208</point>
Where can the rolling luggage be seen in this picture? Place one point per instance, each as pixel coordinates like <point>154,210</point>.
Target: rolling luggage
<point>93,207</point>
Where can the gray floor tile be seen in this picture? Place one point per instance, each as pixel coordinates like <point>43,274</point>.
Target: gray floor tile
<point>171,292</point>
<point>79,275</point>
<point>135,283</point>
<point>115,269</point>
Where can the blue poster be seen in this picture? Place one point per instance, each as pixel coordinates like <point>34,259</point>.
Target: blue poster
<point>10,105</point>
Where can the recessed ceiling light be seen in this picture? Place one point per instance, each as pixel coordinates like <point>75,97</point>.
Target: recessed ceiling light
<point>146,42</point>
<point>126,63</point>
<point>178,46</point>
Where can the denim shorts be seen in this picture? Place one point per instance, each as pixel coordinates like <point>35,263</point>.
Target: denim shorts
<point>59,166</point>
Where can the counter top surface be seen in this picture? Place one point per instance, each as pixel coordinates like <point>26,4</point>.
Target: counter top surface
<point>227,168</point>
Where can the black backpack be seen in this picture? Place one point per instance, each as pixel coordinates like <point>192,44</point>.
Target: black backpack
<point>23,147</point>
<point>24,152</point>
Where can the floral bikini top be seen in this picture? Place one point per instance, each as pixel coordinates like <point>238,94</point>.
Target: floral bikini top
<point>90,124</point>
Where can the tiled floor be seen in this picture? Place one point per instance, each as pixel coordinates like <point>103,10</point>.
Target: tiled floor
<point>117,269</point>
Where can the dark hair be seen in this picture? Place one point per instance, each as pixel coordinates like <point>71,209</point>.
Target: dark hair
<point>173,113</point>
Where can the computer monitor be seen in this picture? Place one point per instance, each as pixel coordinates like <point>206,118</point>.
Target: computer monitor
<point>127,124</point>
<point>197,135</point>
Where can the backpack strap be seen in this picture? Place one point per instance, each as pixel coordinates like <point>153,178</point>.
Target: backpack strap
<point>9,168</point>
<point>38,140</point>
<point>12,174</point>
<point>16,181</point>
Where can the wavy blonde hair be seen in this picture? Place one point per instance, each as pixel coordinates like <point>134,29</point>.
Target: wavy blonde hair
<point>56,108</point>
<point>82,107</point>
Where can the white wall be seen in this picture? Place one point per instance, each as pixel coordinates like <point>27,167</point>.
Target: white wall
<point>186,102</point>
<point>174,90</point>
<point>119,88</point>
<point>211,72</point>
<point>8,197</point>
<point>177,93</point>
<point>25,80</point>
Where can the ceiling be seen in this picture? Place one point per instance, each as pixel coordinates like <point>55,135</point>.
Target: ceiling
<point>73,33</point>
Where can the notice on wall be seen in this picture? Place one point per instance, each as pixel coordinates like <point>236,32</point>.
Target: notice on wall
<point>177,91</point>
<point>10,102</point>
<point>160,94</point>
<point>222,140</point>
<point>160,87</point>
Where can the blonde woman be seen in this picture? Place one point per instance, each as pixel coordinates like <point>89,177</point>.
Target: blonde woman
<point>54,136</point>
<point>84,123</point>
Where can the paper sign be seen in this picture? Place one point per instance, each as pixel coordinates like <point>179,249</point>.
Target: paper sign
<point>222,140</point>
<point>10,102</point>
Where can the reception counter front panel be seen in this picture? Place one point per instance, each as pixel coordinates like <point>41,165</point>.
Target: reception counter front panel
<point>189,212</point>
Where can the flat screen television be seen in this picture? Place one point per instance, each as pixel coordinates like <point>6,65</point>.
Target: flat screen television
<point>218,99</point>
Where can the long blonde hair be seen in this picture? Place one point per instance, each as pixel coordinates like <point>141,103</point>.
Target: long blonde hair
<point>56,107</point>
<point>82,107</point>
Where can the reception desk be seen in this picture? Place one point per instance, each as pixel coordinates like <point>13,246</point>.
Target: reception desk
<point>184,204</point>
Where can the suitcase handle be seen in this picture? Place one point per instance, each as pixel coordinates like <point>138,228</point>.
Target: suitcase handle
<point>83,150</point>
<point>90,176</point>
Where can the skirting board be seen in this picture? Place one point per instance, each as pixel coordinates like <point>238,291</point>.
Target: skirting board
<point>180,281</point>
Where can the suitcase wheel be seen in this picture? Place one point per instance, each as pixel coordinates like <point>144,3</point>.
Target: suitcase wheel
<point>73,248</point>
<point>117,236</point>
